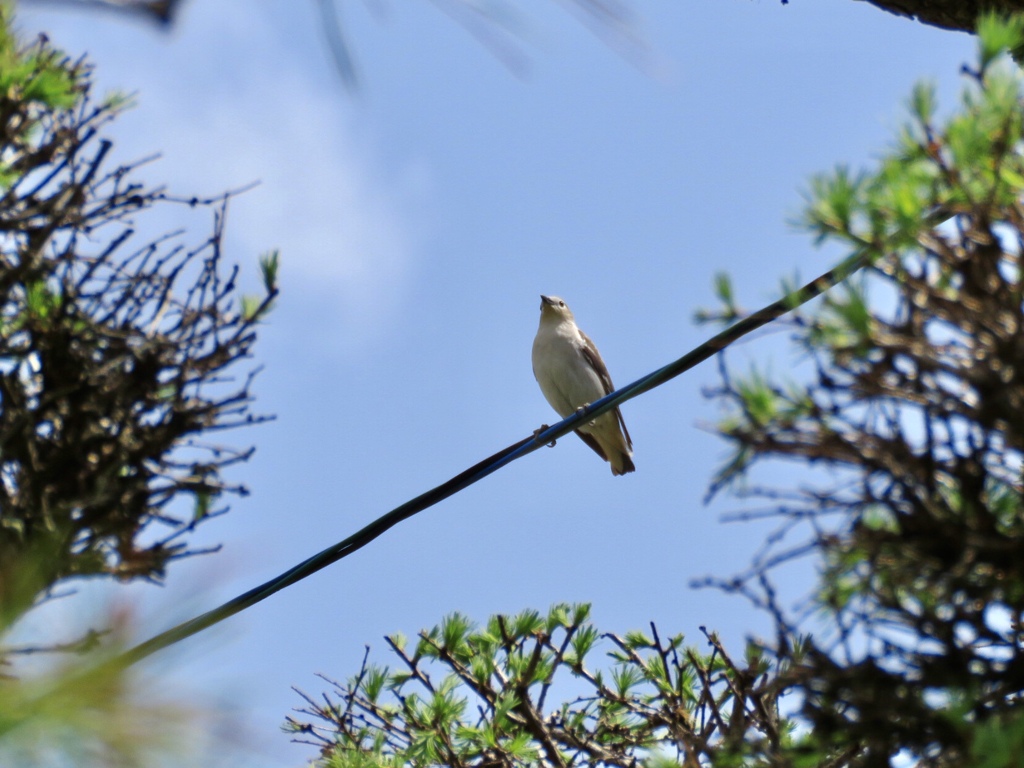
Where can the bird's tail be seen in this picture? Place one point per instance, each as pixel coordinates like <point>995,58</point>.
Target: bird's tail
<point>619,458</point>
<point>621,463</point>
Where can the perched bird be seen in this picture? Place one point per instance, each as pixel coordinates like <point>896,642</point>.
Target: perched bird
<point>572,374</point>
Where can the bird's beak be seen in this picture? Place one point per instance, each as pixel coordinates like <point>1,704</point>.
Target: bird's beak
<point>546,299</point>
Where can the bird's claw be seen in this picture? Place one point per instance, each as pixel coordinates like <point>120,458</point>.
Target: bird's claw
<point>581,409</point>
<point>542,428</point>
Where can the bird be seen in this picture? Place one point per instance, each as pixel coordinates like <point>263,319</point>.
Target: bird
<point>572,374</point>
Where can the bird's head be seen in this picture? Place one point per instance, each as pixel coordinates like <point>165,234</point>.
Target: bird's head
<point>553,309</point>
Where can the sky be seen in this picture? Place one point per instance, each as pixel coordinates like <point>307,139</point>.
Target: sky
<point>419,219</point>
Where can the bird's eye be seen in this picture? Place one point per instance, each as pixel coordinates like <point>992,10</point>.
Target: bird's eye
<point>561,303</point>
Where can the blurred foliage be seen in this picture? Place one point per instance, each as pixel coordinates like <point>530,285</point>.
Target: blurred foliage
<point>118,356</point>
<point>501,26</point>
<point>83,712</point>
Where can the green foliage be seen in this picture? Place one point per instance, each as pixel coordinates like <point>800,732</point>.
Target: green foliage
<point>999,743</point>
<point>998,34</point>
<point>35,81</point>
<point>85,713</point>
<point>833,202</point>
<point>117,359</point>
<point>255,308</point>
<point>472,696</point>
<point>914,400</point>
<point>36,76</point>
<point>109,364</point>
<point>268,269</point>
<point>724,292</point>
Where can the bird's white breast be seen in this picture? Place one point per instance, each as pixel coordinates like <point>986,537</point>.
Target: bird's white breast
<point>564,374</point>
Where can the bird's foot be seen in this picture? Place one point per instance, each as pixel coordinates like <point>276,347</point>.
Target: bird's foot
<point>580,410</point>
<point>541,429</point>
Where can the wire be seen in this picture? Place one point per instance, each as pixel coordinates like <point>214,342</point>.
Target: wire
<point>493,463</point>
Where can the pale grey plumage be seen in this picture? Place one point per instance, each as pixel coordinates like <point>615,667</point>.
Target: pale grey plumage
<point>572,374</point>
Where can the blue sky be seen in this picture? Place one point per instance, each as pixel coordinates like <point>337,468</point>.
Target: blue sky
<point>419,221</point>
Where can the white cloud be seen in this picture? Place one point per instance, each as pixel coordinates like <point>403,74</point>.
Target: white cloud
<point>342,228</point>
<point>227,100</point>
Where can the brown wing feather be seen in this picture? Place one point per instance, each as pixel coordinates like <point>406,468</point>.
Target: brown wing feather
<point>592,443</point>
<point>625,432</point>
<point>593,358</point>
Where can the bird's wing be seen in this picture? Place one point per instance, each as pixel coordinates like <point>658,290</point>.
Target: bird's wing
<point>625,432</point>
<point>593,358</point>
<point>592,442</point>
